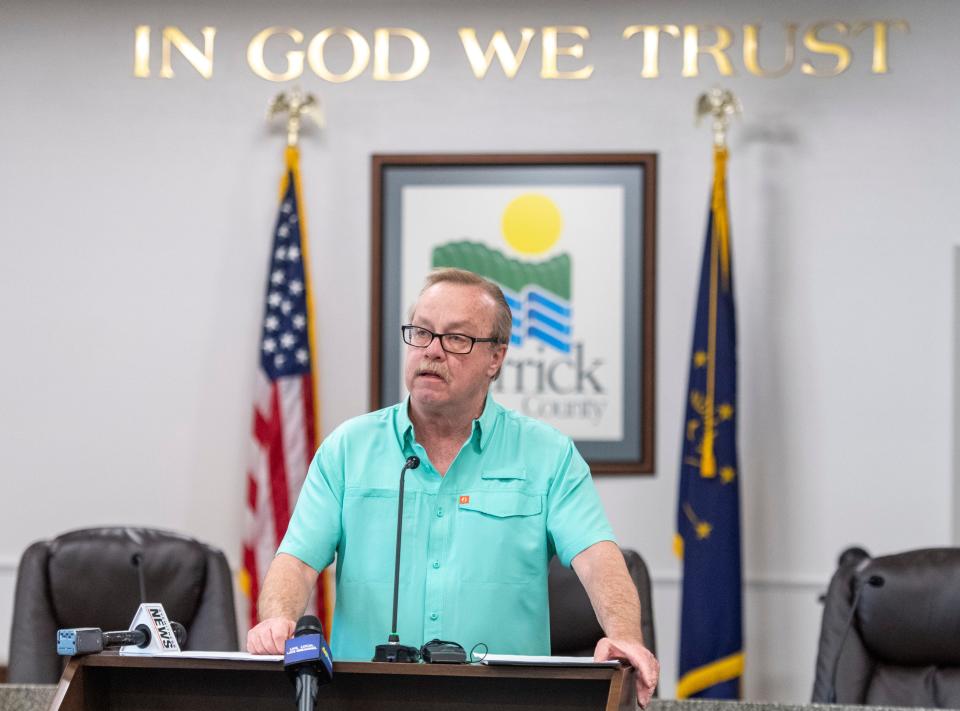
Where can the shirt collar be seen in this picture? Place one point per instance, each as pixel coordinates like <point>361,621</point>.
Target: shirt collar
<point>486,422</point>
<point>481,430</point>
<point>404,426</point>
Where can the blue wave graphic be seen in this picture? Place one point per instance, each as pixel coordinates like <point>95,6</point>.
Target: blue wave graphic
<point>555,304</point>
<point>558,326</point>
<point>541,335</point>
<point>541,316</point>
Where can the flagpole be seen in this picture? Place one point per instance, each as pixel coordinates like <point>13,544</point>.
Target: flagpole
<point>721,105</point>
<point>296,108</point>
<point>711,654</point>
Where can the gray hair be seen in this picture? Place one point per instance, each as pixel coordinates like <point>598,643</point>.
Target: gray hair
<point>502,317</point>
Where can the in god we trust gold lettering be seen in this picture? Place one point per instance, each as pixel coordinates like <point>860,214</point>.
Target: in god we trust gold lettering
<point>318,62</point>
<point>381,54</point>
<point>821,40</point>
<point>552,51</point>
<point>316,54</point>
<point>651,45</point>
<point>828,48</point>
<point>813,42</point>
<point>480,60</point>
<point>751,51</point>
<point>170,36</point>
<point>553,46</point>
<point>880,36</point>
<point>294,57</point>
<point>693,48</point>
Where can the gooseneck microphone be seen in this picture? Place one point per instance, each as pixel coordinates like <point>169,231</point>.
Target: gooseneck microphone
<point>137,561</point>
<point>92,640</point>
<point>306,657</point>
<point>393,651</point>
<point>874,581</point>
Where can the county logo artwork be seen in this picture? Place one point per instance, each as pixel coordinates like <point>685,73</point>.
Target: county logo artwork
<point>538,292</point>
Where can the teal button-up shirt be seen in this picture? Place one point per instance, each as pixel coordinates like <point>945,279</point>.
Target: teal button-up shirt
<point>476,542</point>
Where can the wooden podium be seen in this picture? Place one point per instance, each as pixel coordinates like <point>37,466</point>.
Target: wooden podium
<point>109,682</point>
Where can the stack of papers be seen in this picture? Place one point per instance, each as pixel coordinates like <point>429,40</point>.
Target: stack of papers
<point>531,661</point>
<point>235,656</point>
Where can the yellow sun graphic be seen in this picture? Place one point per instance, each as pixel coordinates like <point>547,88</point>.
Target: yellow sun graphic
<point>532,223</point>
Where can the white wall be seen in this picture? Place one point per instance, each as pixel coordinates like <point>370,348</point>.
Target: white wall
<point>134,232</point>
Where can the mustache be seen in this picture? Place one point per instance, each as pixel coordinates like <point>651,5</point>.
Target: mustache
<point>434,369</point>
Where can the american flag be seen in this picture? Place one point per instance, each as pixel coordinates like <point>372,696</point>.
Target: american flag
<point>285,418</point>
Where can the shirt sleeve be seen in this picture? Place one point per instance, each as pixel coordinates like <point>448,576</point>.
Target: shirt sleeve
<point>314,531</point>
<point>575,517</point>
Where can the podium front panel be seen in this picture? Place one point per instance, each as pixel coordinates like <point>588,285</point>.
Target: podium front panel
<point>113,683</point>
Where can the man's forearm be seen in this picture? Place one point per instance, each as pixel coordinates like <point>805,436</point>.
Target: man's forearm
<point>610,588</point>
<point>614,597</point>
<point>286,588</point>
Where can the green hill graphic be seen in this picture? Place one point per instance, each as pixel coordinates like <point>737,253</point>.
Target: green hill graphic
<point>552,274</point>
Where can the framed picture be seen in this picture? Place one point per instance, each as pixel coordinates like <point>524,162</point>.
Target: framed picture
<point>570,240</point>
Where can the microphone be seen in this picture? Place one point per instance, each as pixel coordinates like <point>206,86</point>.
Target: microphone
<point>92,640</point>
<point>137,562</point>
<point>393,651</point>
<point>874,581</point>
<point>306,658</point>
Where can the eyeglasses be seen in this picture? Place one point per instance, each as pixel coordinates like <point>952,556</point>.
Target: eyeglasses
<point>458,343</point>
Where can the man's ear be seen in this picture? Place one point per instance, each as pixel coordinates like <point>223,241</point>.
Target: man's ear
<point>496,362</point>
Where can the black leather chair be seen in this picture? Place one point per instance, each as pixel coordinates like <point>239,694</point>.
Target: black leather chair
<point>890,634</point>
<point>88,578</point>
<point>574,630</point>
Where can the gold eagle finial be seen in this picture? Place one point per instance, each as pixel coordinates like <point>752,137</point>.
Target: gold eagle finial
<point>296,106</point>
<point>722,105</point>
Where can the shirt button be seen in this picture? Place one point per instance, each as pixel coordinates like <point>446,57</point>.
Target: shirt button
<point>436,564</point>
<point>439,513</point>
<point>434,615</point>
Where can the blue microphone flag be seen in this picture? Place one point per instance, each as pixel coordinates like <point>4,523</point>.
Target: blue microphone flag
<point>307,648</point>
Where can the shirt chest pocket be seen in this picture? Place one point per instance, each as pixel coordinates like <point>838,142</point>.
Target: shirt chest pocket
<point>502,504</point>
<point>501,536</point>
<point>370,532</point>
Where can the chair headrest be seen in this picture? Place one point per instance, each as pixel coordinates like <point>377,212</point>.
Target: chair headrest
<point>98,563</point>
<point>913,617</point>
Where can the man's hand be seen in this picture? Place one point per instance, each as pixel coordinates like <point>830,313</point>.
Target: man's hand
<point>286,590</point>
<point>268,636</point>
<point>604,575</point>
<point>645,665</point>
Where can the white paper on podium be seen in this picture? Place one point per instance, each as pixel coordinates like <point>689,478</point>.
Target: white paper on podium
<point>533,661</point>
<point>235,656</point>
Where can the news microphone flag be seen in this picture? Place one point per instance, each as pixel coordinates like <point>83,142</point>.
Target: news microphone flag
<point>286,422</point>
<point>310,648</point>
<point>708,505</point>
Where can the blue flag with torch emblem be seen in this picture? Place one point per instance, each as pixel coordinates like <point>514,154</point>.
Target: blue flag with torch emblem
<point>708,507</point>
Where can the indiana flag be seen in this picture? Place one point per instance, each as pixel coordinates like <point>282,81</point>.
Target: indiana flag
<point>708,516</point>
<point>285,415</point>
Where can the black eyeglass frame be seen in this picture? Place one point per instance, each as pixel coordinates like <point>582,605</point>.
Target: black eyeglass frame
<point>473,340</point>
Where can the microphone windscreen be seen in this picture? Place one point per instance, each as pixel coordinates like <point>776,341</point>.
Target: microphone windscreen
<point>308,624</point>
<point>413,462</point>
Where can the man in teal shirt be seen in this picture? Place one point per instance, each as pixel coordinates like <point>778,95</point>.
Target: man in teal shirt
<point>496,495</point>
